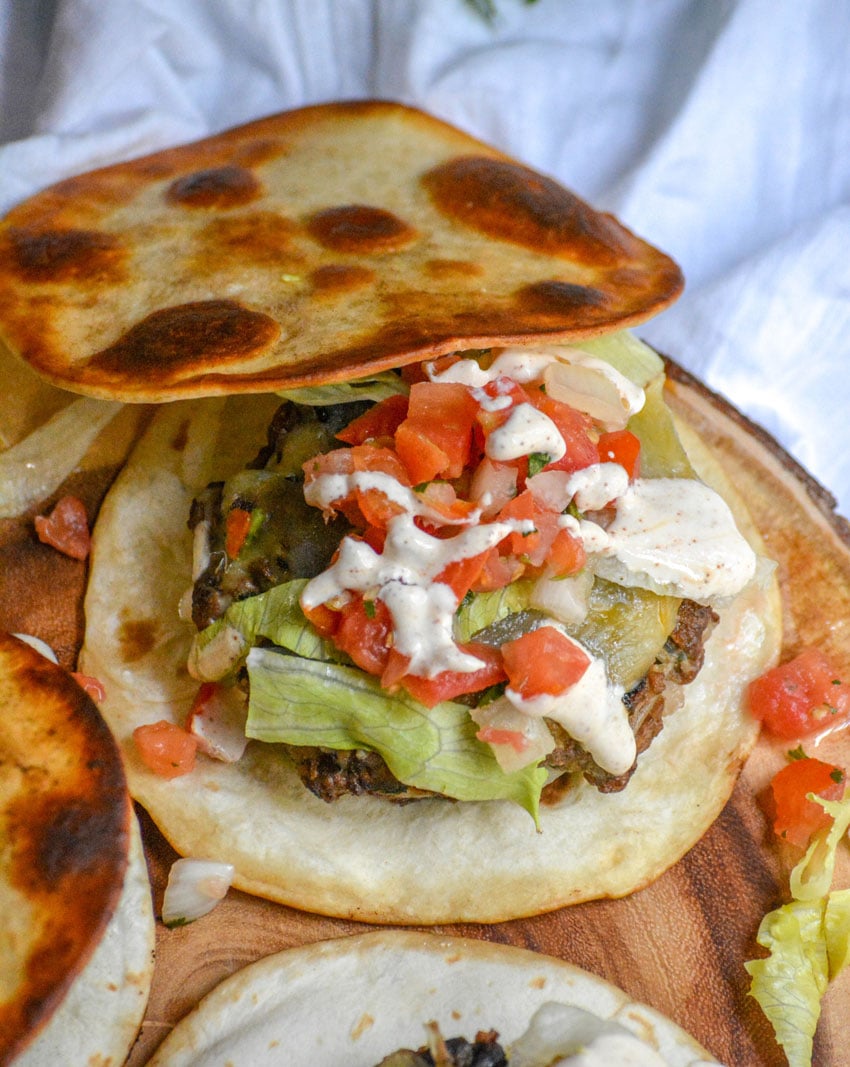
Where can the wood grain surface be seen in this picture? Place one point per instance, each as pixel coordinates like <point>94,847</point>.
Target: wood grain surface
<point>678,945</point>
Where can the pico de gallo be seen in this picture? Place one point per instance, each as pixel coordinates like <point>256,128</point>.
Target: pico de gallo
<point>466,577</point>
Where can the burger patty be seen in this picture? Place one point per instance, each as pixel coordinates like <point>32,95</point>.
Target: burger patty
<point>484,1051</point>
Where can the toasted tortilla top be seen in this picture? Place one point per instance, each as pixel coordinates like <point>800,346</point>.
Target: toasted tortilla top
<point>311,246</point>
<point>64,837</point>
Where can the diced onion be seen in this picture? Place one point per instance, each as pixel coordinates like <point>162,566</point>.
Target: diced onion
<point>36,466</point>
<point>40,646</point>
<point>595,388</point>
<point>194,888</point>
<point>565,599</point>
<point>537,741</point>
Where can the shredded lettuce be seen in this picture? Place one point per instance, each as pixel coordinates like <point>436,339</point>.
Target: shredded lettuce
<point>376,387</point>
<point>812,876</point>
<point>275,615</point>
<point>306,702</point>
<point>627,354</point>
<point>808,940</point>
<point>484,609</point>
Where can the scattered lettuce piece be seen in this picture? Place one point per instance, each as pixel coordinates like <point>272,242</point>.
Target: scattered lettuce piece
<point>808,944</point>
<point>305,702</point>
<point>808,940</point>
<point>627,354</point>
<point>812,876</point>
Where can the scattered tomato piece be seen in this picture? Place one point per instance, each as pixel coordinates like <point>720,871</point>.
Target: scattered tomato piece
<point>165,748</point>
<point>66,528</point>
<point>800,697</point>
<point>93,686</point>
<point>494,736</point>
<point>797,817</point>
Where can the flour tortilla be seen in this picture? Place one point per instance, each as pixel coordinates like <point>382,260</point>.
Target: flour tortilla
<point>100,1016</point>
<point>361,857</point>
<point>354,1000</point>
<point>311,246</point>
<point>72,875</point>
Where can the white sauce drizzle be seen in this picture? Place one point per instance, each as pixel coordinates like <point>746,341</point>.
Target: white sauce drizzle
<point>591,711</point>
<point>525,431</point>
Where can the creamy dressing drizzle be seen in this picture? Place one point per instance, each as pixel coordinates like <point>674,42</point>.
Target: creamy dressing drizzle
<point>525,431</point>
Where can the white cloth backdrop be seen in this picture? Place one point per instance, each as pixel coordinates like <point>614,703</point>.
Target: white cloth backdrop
<point>718,129</point>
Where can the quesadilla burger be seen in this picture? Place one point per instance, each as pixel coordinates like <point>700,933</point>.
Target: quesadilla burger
<point>413,999</point>
<point>76,921</point>
<point>412,588</point>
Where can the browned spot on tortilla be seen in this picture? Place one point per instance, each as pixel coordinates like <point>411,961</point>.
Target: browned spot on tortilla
<point>556,297</point>
<point>360,228</point>
<point>136,638</point>
<point>260,237</point>
<point>340,278</point>
<point>66,255</point>
<point>185,337</point>
<point>452,269</point>
<point>216,187</point>
<point>513,203</point>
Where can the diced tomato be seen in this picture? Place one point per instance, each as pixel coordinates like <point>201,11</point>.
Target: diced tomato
<point>462,574</point>
<point>66,528</point>
<point>497,572</point>
<point>796,817</point>
<point>93,686</point>
<point>489,417</point>
<point>567,555</point>
<point>620,446</point>
<point>323,619</point>
<point>363,632</point>
<point>801,696</point>
<point>543,661</point>
<point>442,499</point>
<point>521,509</point>
<point>533,547</point>
<point>449,684</point>
<point>165,748</point>
<point>574,426</point>
<point>381,420</point>
<point>494,736</point>
<point>435,439</point>
<point>237,525</point>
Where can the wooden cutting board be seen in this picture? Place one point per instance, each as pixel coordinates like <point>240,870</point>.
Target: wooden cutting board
<point>678,945</point>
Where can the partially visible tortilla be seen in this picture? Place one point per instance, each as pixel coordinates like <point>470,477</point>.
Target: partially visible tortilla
<point>66,827</point>
<point>361,857</point>
<point>354,1000</point>
<point>313,245</point>
<point>100,1016</point>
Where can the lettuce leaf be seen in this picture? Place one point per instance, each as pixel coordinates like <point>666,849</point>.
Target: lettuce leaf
<point>484,609</point>
<point>808,940</point>
<point>627,354</point>
<point>812,876</point>
<point>376,387</point>
<point>275,615</point>
<point>808,945</point>
<point>306,702</point>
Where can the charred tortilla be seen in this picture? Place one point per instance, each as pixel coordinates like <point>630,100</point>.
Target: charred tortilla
<point>311,246</point>
<point>68,890</point>
<point>385,988</point>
